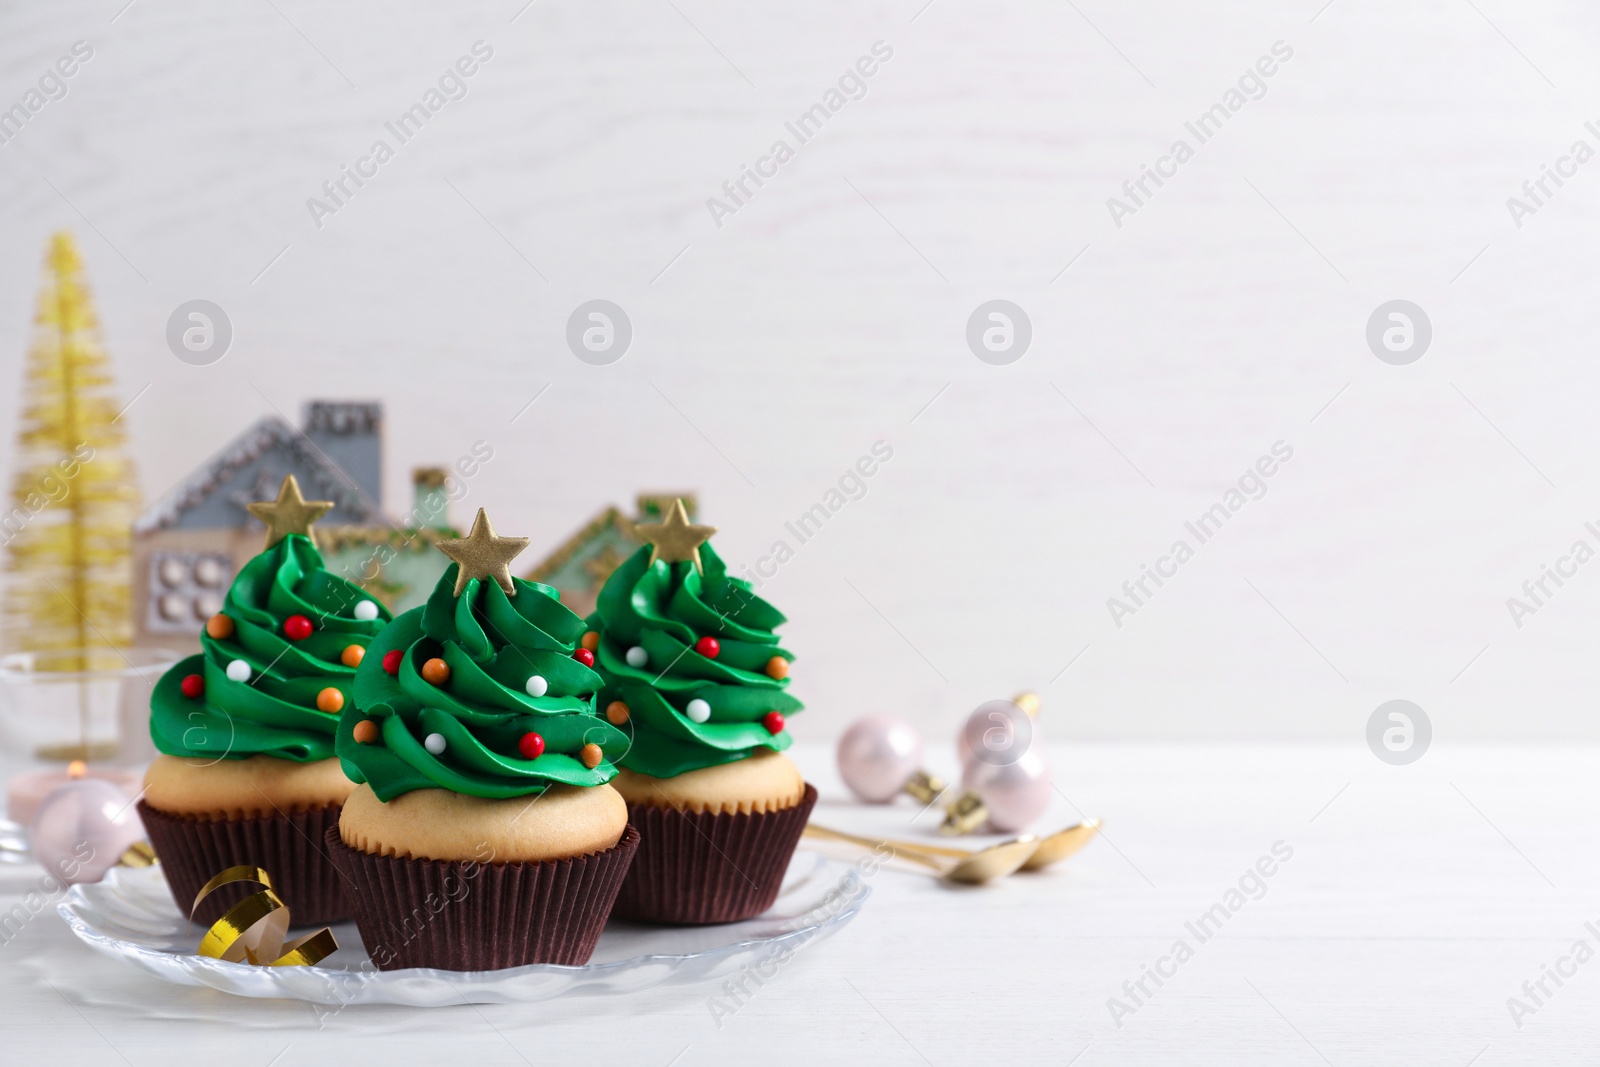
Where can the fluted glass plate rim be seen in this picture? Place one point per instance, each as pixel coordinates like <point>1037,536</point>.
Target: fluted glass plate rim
<point>130,915</point>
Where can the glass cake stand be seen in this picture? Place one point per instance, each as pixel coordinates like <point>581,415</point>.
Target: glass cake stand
<point>130,915</point>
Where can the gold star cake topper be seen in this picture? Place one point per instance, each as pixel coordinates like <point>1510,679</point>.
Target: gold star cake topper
<point>291,513</point>
<point>483,555</point>
<point>675,539</point>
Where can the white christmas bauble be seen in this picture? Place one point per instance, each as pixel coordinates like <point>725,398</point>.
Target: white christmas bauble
<point>239,671</point>
<point>637,656</point>
<point>997,732</point>
<point>698,710</point>
<point>366,611</point>
<point>876,756</point>
<point>434,743</point>
<point>82,828</point>
<point>1015,793</point>
<point>537,686</point>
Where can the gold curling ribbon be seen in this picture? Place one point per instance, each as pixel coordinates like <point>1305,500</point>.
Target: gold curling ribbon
<point>252,931</point>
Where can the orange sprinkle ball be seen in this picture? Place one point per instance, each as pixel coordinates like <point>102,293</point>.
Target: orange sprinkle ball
<point>330,700</point>
<point>436,671</point>
<point>591,755</point>
<point>219,627</point>
<point>778,667</point>
<point>366,732</point>
<point>352,655</point>
<point>616,713</point>
<point>591,640</point>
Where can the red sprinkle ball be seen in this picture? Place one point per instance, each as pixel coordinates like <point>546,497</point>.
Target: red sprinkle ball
<point>531,746</point>
<point>584,656</point>
<point>391,661</point>
<point>708,647</point>
<point>193,686</point>
<point>297,627</point>
<point>773,721</point>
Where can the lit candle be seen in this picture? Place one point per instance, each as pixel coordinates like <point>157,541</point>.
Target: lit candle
<point>24,792</point>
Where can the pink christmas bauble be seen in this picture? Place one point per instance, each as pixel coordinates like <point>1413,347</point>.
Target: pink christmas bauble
<point>876,756</point>
<point>997,731</point>
<point>82,829</point>
<point>1015,793</point>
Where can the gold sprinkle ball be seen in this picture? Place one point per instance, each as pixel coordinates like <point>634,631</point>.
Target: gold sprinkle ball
<point>778,667</point>
<point>330,700</point>
<point>436,671</point>
<point>219,627</point>
<point>617,713</point>
<point>591,755</point>
<point>366,732</point>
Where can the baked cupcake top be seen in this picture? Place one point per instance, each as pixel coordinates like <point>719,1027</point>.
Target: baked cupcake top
<point>690,654</point>
<point>278,662</point>
<point>481,691</point>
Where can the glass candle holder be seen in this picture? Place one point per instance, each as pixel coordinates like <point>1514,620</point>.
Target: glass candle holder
<point>77,704</point>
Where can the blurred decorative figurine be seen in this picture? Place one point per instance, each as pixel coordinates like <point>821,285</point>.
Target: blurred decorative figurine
<point>73,497</point>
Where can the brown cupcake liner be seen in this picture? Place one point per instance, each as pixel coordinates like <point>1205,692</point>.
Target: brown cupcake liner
<point>194,849</point>
<point>467,916</point>
<point>697,869</point>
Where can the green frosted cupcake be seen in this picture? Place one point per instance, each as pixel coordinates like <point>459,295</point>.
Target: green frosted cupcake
<point>693,667</point>
<point>483,806</point>
<point>247,773</point>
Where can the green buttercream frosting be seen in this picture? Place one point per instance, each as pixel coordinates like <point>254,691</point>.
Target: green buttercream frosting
<point>274,713</point>
<point>664,608</point>
<point>493,643</point>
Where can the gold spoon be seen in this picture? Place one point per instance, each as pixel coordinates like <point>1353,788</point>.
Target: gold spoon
<point>1049,850</point>
<point>1053,849</point>
<point>1061,844</point>
<point>971,868</point>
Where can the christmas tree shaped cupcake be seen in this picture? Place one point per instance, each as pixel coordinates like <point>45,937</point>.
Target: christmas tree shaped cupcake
<point>247,773</point>
<point>693,668</point>
<point>484,833</point>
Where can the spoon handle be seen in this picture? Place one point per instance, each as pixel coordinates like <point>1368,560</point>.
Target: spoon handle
<point>1089,825</point>
<point>902,849</point>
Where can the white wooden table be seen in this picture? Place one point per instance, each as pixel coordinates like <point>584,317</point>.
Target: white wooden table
<point>1416,902</point>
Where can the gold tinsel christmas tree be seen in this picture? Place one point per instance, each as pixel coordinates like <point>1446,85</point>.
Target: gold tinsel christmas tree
<point>69,526</point>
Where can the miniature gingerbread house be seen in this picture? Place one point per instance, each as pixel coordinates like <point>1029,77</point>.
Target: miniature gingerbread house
<point>581,565</point>
<point>189,544</point>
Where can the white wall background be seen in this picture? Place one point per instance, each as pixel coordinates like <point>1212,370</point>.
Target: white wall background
<point>1221,318</point>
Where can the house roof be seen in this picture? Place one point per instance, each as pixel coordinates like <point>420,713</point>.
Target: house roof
<point>552,563</point>
<point>327,480</point>
<point>331,539</point>
<point>648,505</point>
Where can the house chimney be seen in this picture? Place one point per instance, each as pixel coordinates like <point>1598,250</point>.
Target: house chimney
<point>653,507</point>
<point>430,498</point>
<point>350,432</point>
